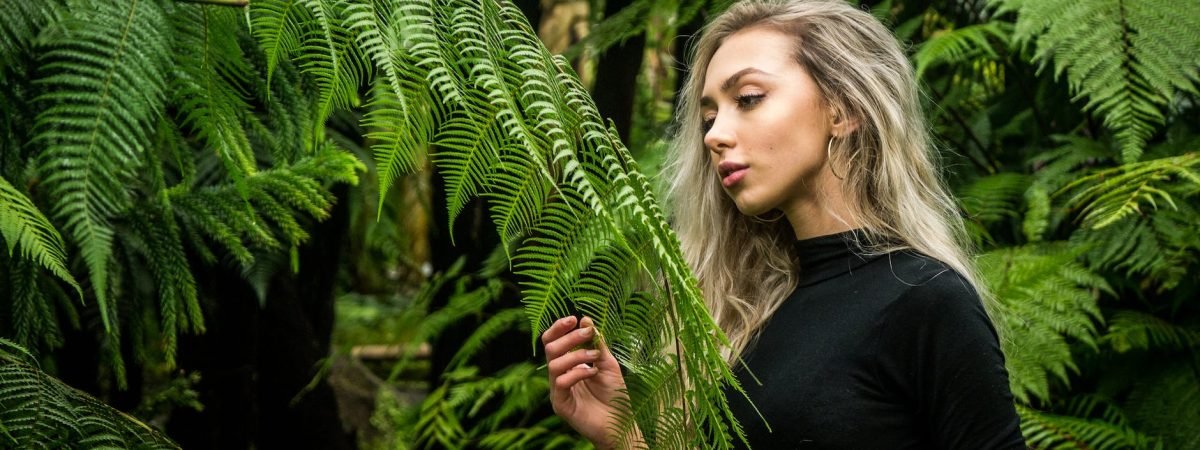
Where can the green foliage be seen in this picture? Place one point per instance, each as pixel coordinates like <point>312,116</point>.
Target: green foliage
<point>146,131</point>
<point>1114,194</point>
<point>22,223</point>
<point>40,412</point>
<point>1129,58</point>
<point>562,186</point>
<point>1045,297</point>
<point>467,408</point>
<point>103,91</point>
<point>1166,402</point>
<point>1135,330</point>
<point>960,45</point>
<point>1052,431</point>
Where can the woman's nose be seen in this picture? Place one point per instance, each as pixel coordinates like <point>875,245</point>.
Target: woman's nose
<point>718,138</point>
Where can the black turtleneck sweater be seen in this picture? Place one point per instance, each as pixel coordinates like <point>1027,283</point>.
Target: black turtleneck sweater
<point>877,352</point>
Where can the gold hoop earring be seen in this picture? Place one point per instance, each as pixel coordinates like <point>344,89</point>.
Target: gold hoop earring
<point>829,158</point>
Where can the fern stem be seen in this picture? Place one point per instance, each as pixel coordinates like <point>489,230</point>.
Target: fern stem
<point>236,3</point>
<point>980,160</point>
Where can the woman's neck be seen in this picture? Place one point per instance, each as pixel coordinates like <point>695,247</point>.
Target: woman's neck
<point>821,213</point>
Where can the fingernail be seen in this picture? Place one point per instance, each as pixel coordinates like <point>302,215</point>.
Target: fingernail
<point>586,332</point>
<point>593,353</point>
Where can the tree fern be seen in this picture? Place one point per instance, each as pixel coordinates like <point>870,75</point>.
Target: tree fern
<point>104,85</point>
<point>1128,57</point>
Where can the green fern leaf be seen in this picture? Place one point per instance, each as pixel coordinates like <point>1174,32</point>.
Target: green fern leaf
<point>22,223</point>
<point>1128,57</point>
<point>1044,430</point>
<point>1109,195</point>
<point>104,87</point>
<point>961,44</point>
<point>38,411</point>
<point>1045,296</point>
<point>1135,330</point>
<point>211,81</point>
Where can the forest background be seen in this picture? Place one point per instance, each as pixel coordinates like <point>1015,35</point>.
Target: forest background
<point>289,223</point>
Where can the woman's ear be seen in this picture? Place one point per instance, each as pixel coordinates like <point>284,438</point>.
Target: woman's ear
<point>842,124</point>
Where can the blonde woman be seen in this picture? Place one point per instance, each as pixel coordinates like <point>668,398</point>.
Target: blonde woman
<point>809,205</point>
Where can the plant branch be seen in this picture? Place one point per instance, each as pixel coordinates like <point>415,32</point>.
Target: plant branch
<point>235,3</point>
<point>981,162</point>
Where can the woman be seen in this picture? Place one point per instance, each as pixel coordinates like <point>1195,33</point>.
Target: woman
<point>809,205</point>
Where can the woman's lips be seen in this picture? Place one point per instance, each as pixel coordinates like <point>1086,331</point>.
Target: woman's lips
<point>733,178</point>
<point>731,172</point>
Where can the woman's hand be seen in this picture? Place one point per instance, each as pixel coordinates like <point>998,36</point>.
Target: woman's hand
<point>581,394</point>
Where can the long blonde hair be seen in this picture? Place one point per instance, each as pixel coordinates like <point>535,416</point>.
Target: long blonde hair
<point>747,266</point>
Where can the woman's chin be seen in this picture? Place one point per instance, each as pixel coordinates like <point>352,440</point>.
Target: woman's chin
<point>750,208</point>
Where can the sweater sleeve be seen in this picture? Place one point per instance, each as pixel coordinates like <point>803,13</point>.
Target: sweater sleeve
<point>940,352</point>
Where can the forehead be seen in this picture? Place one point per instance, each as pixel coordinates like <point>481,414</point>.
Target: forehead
<point>760,47</point>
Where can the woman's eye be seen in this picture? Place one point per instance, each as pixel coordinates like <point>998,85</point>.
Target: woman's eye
<point>707,124</point>
<point>749,100</point>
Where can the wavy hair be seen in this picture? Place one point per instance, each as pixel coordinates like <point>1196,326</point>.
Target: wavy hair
<point>747,266</point>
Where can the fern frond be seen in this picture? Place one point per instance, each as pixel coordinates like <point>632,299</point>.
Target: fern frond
<point>276,196</point>
<point>547,435</point>
<point>991,199</point>
<point>1129,58</point>
<point>561,184</point>
<point>104,88</point>
<point>22,223</point>
<point>468,146</point>
<point>38,411</point>
<point>1045,296</point>
<point>22,23</point>
<point>401,135</point>
<point>1044,430</point>
<point>1135,330</point>
<point>1160,248</point>
<point>275,24</point>
<point>210,85</point>
<point>1110,195</point>
<point>962,44</point>
<point>519,387</point>
<point>439,422</point>
<point>32,314</point>
<point>495,324</point>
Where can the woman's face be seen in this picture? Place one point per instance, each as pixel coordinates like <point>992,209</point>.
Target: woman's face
<point>765,124</point>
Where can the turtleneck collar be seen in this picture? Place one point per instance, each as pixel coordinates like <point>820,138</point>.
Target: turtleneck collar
<point>825,257</point>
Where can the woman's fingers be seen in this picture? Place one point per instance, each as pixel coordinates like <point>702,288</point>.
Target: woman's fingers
<point>606,360</point>
<point>575,375</point>
<point>568,341</point>
<point>564,363</point>
<point>559,328</point>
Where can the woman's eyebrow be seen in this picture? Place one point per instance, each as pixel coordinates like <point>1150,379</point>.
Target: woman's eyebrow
<point>731,81</point>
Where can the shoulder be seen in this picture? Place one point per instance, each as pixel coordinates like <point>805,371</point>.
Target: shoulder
<point>930,290</point>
